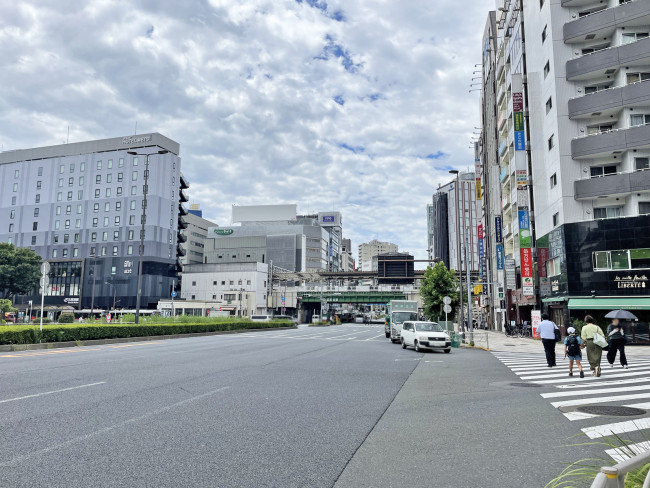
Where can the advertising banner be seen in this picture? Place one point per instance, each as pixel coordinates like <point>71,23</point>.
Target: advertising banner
<point>524,221</point>
<point>542,257</point>
<point>499,256</point>
<point>520,140</point>
<point>519,120</point>
<point>511,274</point>
<point>479,189</point>
<point>497,229</point>
<point>535,319</point>
<point>517,102</point>
<point>522,179</point>
<point>522,200</point>
<point>479,230</point>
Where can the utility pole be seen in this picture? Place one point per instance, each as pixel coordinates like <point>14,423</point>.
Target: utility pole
<point>92,299</point>
<point>458,244</point>
<point>173,294</point>
<point>469,295</point>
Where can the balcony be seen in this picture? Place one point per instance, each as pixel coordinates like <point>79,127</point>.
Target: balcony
<point>607,61</point>
<point>603,23</point>
<point>183,196</point>
<point>184,183</point>
<point>182,210</point>
<point>609,101</point>
<point>181,223</point>
<point>612,185</point>
<point>606,143</point>
<point>181,238</point>
<point>180,251</point>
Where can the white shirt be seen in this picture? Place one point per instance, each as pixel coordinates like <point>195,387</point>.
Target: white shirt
<point>546,329</point>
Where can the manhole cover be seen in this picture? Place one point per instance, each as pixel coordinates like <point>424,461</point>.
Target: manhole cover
<point>612,410</point>
<point>525,385</point>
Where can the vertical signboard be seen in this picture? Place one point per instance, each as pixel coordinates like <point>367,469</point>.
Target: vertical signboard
<point>535,319</point>
<point>511,274</point>
<point>497,229</point>
<point>499,256</point>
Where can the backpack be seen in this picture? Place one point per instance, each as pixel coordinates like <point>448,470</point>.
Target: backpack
<point>572,346</point>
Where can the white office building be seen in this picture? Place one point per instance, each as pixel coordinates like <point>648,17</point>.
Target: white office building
<point>369,250</point>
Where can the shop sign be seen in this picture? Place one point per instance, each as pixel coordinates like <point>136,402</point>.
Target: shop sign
<point>499,256</point>
<point>519,120</point>
<point>535,319</point>
<point>542,257</point>
<point>74,300</point>
<point>522,179</point>
<point>479,230</point>
<point>555,285</point>
<point>479,189</point>
<point>630,281</point>
<point>497,229</point>
<point>135,140</point>
<point>511,274</point>
<point>517,102</point>
<point>128,267</point>
<point>223,232</point>
<point>520,140</point>
<point>526,262</point>
<point>522,199</point>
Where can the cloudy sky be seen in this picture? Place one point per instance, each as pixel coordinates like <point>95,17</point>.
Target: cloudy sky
<point>357,105</point>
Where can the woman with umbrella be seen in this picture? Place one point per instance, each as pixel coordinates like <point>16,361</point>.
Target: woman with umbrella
<point>616,336</point>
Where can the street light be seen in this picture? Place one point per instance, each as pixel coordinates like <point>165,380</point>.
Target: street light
<point>144,217</point>
<point>460,268</point>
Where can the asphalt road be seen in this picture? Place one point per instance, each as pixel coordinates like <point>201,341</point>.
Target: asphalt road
<point>313,407</point>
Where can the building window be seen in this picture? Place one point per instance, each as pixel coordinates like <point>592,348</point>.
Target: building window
<point>93,250</point>
<point>134,190</point>
<point>556,219</point>
<point>93,237</point>
<point>109,178</point>
<point>641,163</point>
<point>64,253</point>
<point>36,212</point>
<point>121,162</point>
<point>129,250</point>
<point>77,224</point>
<point>644,208</point>
<point>135,161</point>
<point>15,187</point>
<point>608,212</point>
<point>13,200</point>
<point>116,235</point>
<point>193,297</point>
<point>598,171</point>
<point>117,220</point>
<point>81,181</point>
<point>134,176</point>
<point>193,283</point>
<point>636,77</point>
<point>549,104</point>
<point>69,195</point>
<point>553,267</point>
<point>82,167</point>
<point>132,204</point>
<point>60,182</point>
<point>108,192</point>
<point>547,68</point>
<point>96,207</point>
<point>223,283</point>
<point>40,171</point>
<point>105,221</point>
<point>104,236</point>
<point>544,33</point>
<point>72,168</point>
<point>57,224</point>
<point>61,169</point>
<point>70,181</point>
<point>629,37</point>
<point>130,235</point>
<point>103,250</point>
<point>114,250</point>
<point>67,224</point>
<point>214,297</point>
<point>120,177</point>
<point>68,209</point>
<point>38,185</point>
<point>642,119</point>
<point>95,222</point>
<point>119,191</point>
<point>37,198</point>
<point>99,165</point>
<point>110,164</point>
<point>98,193</point>
<point>107,207</point>
<point>75,252</point>
<point>79,208</point>
<point>551,142</point>
<point>54,253</point>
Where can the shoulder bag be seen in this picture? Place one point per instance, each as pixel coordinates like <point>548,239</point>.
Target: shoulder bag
<point>599,340</point>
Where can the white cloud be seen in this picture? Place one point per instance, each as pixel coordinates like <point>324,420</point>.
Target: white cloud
<point>331,105</point>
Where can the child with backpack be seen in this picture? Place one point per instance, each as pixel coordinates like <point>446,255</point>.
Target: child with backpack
<point>572,346</point>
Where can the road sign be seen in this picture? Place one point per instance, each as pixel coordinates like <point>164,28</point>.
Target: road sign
<point>174,294</point>
<point>446,309</point>
<point>44,281</point>
<point>446,301</point>
<point>45,267</point>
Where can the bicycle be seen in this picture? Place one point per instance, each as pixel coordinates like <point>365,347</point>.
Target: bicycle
<point>512,331</point>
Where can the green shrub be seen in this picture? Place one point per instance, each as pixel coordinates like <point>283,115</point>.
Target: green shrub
<point>38,321</point>
<point>29,334</point>
<point>66,318</point>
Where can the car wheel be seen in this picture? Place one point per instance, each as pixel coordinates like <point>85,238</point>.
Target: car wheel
<point>448,350</point>
<point>403,344</point>
<point>417,346</point>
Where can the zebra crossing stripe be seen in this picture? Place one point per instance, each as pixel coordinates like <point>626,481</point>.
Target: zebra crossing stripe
<point>622,453</point>
<point>606,430</point>
<point>592,384</point>
<point>593,378</point>
<point>606,399</point>
<point>597,391</point>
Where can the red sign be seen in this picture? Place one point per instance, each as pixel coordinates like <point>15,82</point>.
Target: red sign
<point>480,231</point>
<point>526,263</point>
<point>542,257</point>
<point>517,102</point>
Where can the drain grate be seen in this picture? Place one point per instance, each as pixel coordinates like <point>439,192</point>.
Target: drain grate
<point>529,385</point>
<point>612,410</point>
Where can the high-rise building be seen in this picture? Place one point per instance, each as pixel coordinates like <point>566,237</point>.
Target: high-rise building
<point>368,250</point>
<point>588,74</point>
<point>80,205</point>
<point>347,260</point>
<point>430,230</point>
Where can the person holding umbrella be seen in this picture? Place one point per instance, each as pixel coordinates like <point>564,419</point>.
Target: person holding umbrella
<point>616,336</point>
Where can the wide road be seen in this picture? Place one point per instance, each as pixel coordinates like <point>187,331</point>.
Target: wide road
<point>312,407</point>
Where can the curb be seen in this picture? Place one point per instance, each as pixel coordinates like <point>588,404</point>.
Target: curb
<point>119,340</point>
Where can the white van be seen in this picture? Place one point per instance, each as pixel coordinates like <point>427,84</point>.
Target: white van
<point>261,318</point>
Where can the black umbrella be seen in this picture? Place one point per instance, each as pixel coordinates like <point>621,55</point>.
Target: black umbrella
<point>621,315</point>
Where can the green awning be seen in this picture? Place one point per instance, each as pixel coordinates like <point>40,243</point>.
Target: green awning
<point>631,303</point>
<point>554,299</point>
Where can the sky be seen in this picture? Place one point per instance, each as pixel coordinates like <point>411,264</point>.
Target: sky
<point>360,106</point>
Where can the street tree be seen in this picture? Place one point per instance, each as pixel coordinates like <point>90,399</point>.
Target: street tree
<point>438,282</point>
<point>19,270</point>
<point>5,307</point>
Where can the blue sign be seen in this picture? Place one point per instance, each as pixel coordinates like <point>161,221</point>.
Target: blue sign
<point>174,294</point>
<point>497,229</point>
<point>328,218</point>
<point>524,220</point>
<point>520,140</point>
<point>481,249</point>
<point>499,256</point>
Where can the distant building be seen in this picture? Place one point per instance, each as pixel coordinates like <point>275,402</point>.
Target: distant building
<point>347,260</point>
<point>394,268</point>
<point>194,210</point>
<point>194,237</point>
<point>430,230</point>
<point>371,249</point>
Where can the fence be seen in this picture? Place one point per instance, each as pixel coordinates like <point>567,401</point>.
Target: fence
<point>614,476</point>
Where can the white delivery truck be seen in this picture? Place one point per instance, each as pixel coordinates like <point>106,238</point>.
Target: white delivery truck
<point>399,311</point>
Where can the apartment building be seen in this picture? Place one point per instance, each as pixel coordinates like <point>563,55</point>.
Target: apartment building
<point>80,205</point>
<point>588,76</point>
<point>368,250</point>
<point>193,241</point>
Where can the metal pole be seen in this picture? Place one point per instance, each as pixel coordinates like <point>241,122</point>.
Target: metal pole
<point>92,300</point>
<point>141,251</point>
<point>458,244</point>
<point>42,306</point>
<point>469,296</point>
<point>172,293</point>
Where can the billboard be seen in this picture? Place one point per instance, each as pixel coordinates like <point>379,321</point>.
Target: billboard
<point>499,256</point>
<point>497,229</point>
<point>520,140</point>
<point>330,219</point>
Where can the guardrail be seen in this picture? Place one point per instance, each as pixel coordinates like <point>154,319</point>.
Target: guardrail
<point>614,476</point>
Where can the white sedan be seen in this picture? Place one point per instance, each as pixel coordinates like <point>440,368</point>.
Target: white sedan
<point>425,335</point>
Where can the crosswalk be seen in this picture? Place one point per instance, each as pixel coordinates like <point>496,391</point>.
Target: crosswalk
<point>344,333</point>
<point>570,395</point>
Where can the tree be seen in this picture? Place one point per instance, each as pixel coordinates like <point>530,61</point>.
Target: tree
<point>5,307</point>
<point>438,283</point>
<point>19,270</point>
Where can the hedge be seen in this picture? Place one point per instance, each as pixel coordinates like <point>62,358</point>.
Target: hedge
<point>29,334</point>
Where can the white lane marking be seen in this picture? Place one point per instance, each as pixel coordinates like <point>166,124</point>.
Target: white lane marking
<point>622,453</point>
<point>593,378</point>
<point>51,392</point>
<point>604,383</point>
<point>605,430</point>
<point>607,399</point>
<point>106,430</point>
<point>434,361</point>
<point>639,371</point>
<point>597,391</point>
<point>380,335</point>
<point>344,335</point>
<point>579,416</point>
<point>411,359</point>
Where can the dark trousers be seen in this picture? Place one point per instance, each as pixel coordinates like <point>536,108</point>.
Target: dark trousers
<point>549,349</point>
<point>614,346</point>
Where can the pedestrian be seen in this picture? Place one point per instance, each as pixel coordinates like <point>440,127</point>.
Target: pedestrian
<point>616,339</point>
<point>572,346</point>
<point>594,351</point>
<point>546,330</point>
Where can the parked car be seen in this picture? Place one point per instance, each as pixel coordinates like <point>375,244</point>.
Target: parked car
<point>285,317</point>
<point>261,318</point>
<point>425,335</point>
<point>358,318</point>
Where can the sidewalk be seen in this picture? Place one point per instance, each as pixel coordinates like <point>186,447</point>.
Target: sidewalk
<point>499,342</point>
